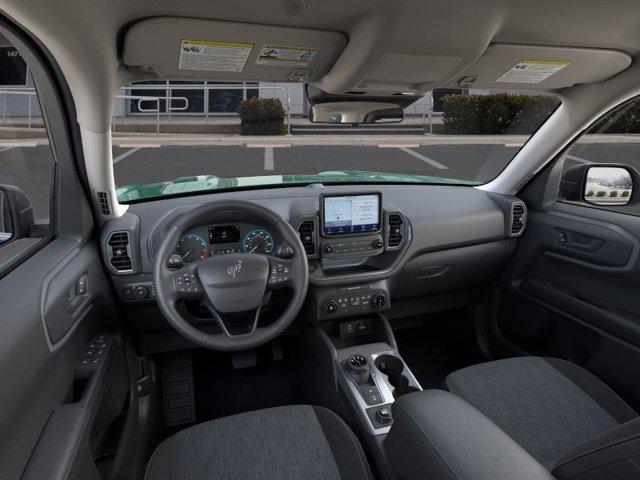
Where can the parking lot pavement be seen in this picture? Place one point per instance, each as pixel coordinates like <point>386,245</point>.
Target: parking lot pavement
<point>469,162</point>
<point>29,167</point>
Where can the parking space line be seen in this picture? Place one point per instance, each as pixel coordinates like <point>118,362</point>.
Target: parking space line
<point>431,162</point>
<point>4,149</point>
<point>268,158</point>
<point>124,155</point>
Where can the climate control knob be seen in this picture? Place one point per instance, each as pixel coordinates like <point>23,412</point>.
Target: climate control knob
<point>328,248</point>
<point>331,307</point>
<point>377,244</point>
<point>379,300</point>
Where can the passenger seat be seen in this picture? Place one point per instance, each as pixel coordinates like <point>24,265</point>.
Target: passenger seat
<point>554,409</point>
<point>520,418</point>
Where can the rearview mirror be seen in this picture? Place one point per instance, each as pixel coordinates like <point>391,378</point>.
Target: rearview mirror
<point>357,108</point>
<point>356,113</point>
<point>608,186</point>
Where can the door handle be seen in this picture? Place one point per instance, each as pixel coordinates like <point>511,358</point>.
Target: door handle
<point>576,240</point>
<point>78,295</point>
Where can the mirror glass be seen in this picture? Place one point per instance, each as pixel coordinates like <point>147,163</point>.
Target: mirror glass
<point>6,226</point>
<point>356,112</point>
<point>608,186</point>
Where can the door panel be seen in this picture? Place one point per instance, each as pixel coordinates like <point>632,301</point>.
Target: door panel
<point>572,292</point>
<point>56,403</point>
<point>39,371</point>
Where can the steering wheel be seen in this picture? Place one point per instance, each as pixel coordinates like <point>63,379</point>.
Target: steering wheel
<point>231,286</point>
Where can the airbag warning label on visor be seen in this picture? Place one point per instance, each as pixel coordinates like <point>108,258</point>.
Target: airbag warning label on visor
<point>285,55</point>
<point>532,71</point>
<point>213,56</point>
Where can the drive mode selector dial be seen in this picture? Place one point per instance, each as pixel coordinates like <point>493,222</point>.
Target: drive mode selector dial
<point>357,364</point>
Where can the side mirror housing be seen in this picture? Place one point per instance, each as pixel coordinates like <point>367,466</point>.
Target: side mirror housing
<point>610,185</point>
<point>16,214</point>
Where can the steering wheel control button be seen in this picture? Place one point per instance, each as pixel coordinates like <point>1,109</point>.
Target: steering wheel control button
<point>279,274</point>
<point>187,283</point>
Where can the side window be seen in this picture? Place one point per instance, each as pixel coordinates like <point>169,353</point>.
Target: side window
<point>602,168</point>
<point>27,164</point>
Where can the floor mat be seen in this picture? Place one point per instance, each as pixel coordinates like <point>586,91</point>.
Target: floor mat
<point>221,390</point>
<point>432,351</point>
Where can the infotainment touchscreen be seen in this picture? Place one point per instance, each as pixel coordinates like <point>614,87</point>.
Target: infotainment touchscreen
<point>351,214</point>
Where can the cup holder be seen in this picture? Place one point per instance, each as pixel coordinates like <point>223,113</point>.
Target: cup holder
<point>393,367</point>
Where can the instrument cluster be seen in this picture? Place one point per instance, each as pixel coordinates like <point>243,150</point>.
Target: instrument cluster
<point>202,242</point>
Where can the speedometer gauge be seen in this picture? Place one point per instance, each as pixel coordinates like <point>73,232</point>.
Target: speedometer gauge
<point>192,247</point>
<point>258,241</point>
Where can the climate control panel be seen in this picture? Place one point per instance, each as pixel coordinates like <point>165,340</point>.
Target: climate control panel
<point>366,246</point>
<point>354,300</point>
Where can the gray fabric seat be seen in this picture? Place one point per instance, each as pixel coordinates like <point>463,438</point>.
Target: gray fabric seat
<point>548,406</point>
<point>294,442</point>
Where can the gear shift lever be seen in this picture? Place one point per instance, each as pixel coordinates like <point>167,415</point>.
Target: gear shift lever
<point>358,366</point>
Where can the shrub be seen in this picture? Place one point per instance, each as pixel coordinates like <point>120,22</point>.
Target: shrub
<point>613,193</point>
<point>262,116</point>
<point>624,120</point>
<point>601,193</point>
<point>496,114</point>
<point>625,193</point>
<point>590,193</point>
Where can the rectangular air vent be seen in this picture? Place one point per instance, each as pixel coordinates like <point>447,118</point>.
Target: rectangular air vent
<point>395,225</point>
<point>103,203</point>
<point>306,230</point>
<point>518,218</point>
<point>119,252</point>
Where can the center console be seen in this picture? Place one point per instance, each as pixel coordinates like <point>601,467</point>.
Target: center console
<point>372,377</point>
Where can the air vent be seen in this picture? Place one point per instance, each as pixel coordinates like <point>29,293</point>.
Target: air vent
<point>103,203</point>
<point>118,251</point>
<point>306,230</point>
<point>518,215</point>
<point>395,224</point>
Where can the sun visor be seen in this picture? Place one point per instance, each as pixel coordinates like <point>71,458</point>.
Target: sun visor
<point>505,66</point>
<point>210,49</point>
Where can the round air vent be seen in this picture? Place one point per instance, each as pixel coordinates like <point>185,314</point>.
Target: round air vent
<point>294,7</point>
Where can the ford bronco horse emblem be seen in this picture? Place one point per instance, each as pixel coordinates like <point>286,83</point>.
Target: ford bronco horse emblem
<point>234,269</point>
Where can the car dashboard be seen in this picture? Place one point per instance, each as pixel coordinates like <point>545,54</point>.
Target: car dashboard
<point>427,248</point>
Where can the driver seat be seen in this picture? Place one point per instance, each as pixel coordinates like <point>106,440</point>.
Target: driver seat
<point>298,442</point>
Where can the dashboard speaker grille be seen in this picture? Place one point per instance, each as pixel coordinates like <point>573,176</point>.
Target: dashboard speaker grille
<point>396,230</point>
<point>518,218</point>
<point>306,230</point>
<point>103,203</point>
<point>118,250</point>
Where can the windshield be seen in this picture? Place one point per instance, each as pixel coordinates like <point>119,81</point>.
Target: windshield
<point>176,138</point>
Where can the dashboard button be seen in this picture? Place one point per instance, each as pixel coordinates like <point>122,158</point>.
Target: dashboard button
<point>331,307</point>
